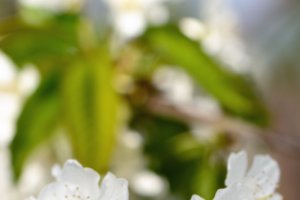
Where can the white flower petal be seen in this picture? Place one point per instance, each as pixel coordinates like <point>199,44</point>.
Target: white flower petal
<point>265,174</point>
<point>113,188</point>
<point>64,191</point>
<point>259,183</point>
<point>234,192</point>
<point>84,178</point>
<point>130,24</point>
<point>52,191</point>
<point>236,167</point>
<point>73,182</point>
<point>196,197</point>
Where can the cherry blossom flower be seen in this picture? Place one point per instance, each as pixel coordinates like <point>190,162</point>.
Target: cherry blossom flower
<point>130,17</point>
<point>259,182</point>
<point>73,182</point>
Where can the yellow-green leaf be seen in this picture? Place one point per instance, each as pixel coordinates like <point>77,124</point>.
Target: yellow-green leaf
<point>90,108</point>
<point>36,122</point>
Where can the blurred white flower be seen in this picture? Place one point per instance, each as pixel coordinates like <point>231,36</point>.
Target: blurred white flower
<point>130,17</point>
<point>257,183</point>
<point>73,182</point>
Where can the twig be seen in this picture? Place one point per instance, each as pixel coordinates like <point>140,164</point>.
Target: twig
<point>235,127</point>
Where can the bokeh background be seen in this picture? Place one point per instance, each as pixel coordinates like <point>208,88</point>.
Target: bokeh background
<point>156,91</point>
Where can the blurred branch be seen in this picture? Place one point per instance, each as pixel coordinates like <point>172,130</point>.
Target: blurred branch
<point>7,8</point>
<point>190,114</point>
<point>232,126</point>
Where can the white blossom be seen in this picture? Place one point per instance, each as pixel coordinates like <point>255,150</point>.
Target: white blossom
<point>73,182</point>
<point>259,182</point>
<point>130,17</point>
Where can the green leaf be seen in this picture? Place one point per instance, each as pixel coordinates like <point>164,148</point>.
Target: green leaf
<point>90,109</point>
<point>209,177</point>
<point>158,132</point>
<point>33,46</point>
<point>234,93</point>
<point>36,122</point>
<point>10,25</point>
<point>75,100</point>
<point>25,43</point>
<point>106,108</point>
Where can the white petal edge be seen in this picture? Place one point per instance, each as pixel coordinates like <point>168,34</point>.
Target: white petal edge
<point>114,188</point>
<point>236,167</point>
<point>85,178</point>
<point>196,197</point>
<point>265,173</point>
<point>234,192</point>
<point>52,191</point>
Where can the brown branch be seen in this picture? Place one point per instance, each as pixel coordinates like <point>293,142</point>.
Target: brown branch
<point>235,127</point>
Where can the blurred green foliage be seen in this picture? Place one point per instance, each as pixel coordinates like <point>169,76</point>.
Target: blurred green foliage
<point>36,122</point>
<point>77,92</point>
<point>232,91</point>
<point>175,154</point>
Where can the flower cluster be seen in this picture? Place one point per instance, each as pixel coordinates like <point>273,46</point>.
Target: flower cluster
<point>73,182</point>
<point>259,182</point>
